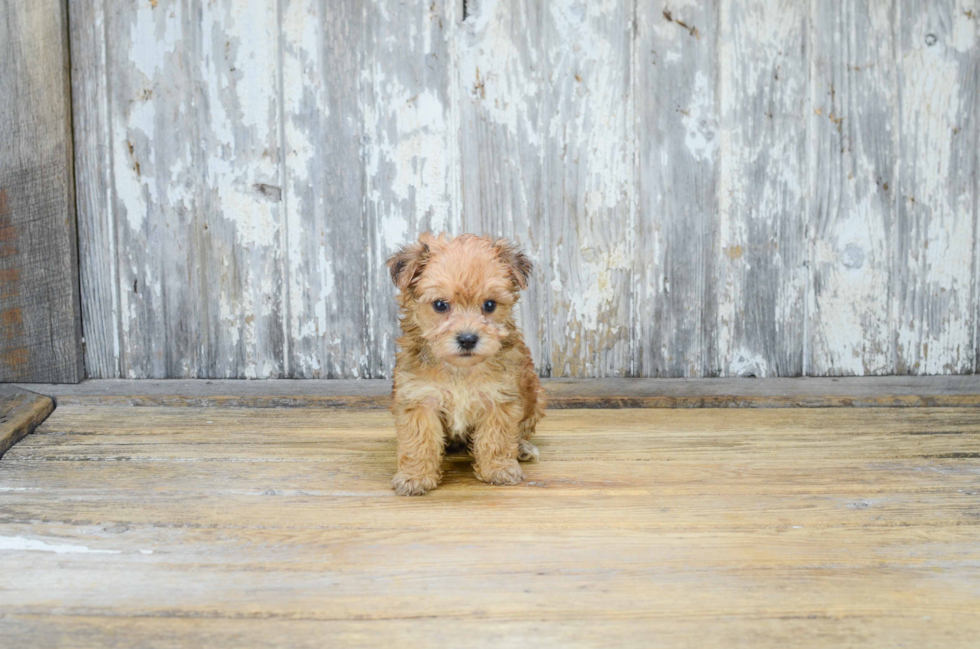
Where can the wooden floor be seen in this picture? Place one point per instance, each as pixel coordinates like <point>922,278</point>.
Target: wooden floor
<point>192,527</point>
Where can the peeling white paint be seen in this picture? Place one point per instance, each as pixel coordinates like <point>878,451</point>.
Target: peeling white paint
<point>551,112</point>
<point>699,118</point>
<point>135,181</point>
<point>412,142</point>
<point>230,319</point>
<point>556,269</point>
<point>748,364</point>
<point>155,36</point>
<point>254,24</point>
<point>419,155</point>
<point>592,114</point>
<point>143,117</point>
<point>597,285</point>
<point>966,15</point>
<point>506,86</point>
<point>935,332</point>
<point>128,184</point>
<point>394,232</point>
<point>21,543</point>
<point>233,170</point>
<point>852,261</point>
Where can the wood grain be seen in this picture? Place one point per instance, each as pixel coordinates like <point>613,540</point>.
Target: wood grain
<point>371,145</point>
<point>87,631</point>
<point>411,149</point>
<point>759,261</point>
<point>938,98</point>
<point>20,413</point>
<point>853,158</point>
<point>196,162</point>
<point>707,189</point>
<point>95,206</point>
<point>677,123</point>
<point>40,324</point>
<point>324,139</point>
<point>546,140</point>
<point>720,281</point>
<point>837,527</point>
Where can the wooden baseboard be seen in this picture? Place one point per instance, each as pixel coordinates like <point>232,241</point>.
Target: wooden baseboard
<point>885,391</point>
<point>21,412</point>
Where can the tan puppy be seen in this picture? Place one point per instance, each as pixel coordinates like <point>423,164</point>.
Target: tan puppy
<point>463,374</point>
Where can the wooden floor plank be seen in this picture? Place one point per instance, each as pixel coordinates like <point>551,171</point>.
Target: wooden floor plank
<point>20,413</point>
<point>845,632</point>
<point>811,392</point>
<point>284,425</point>
<point>184,527</point>
<point>681,477</point>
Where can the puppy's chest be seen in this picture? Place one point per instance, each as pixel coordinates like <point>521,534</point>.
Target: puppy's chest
<point>465,406</point>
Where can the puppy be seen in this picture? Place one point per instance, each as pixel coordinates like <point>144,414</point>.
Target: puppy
<point>463,374</point>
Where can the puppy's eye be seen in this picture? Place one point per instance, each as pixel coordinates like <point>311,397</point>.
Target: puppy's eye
<point>489,306</point>
<point>441,306</point>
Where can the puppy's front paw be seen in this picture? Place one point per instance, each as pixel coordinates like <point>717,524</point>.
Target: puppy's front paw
<point>526,451</point>
<point>507,473</point>
<point>413,485</point>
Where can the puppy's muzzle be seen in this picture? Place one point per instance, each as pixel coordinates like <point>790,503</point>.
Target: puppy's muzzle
<point>467,341</point>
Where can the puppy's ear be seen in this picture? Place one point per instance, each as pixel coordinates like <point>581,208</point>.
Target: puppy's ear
<point>519,264</point>
<point>406,265</point>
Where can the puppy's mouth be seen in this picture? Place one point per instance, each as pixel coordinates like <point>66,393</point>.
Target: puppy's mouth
<point>465,357</point>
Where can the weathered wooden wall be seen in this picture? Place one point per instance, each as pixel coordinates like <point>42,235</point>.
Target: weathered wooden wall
<point>707,187</point>
<point>40,327</point>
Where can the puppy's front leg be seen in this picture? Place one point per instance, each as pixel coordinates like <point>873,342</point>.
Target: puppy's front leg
<point>495,446</point>
<point>420,449</point>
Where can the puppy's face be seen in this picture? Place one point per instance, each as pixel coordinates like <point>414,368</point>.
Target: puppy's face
<point>460,293</point>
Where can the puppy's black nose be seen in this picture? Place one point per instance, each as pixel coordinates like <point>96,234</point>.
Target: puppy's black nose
<point>467,341</point>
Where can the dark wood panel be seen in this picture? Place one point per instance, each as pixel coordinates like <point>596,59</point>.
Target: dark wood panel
<point>40,325</point>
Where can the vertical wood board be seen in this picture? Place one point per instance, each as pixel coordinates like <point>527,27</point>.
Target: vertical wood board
<point>546,139</point>
<point>40,324</point>
<point>91,123</point>
<point>411,153</point>
<point>759,260</point>
<point>933,308</point>
<point>677,122</point>
<point>853,181</point>
<point>197,190</point>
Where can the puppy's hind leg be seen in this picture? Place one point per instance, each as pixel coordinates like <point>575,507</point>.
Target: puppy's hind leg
<point>526,451</point>
<point>533,412</point>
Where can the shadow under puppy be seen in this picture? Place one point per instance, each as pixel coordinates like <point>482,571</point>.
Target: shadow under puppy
<point>463,374</point>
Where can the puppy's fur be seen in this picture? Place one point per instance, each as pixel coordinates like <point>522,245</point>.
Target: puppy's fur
<point>488,397</point>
